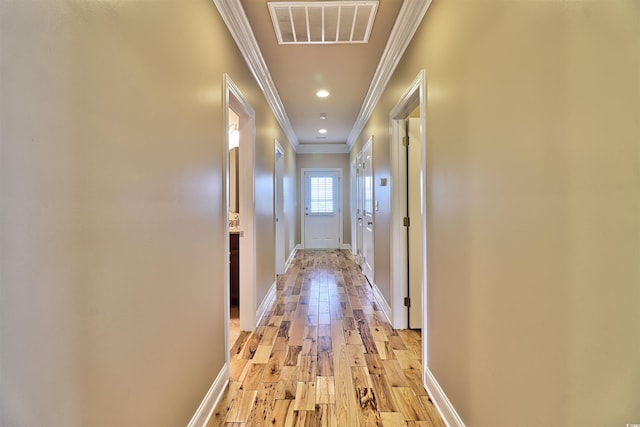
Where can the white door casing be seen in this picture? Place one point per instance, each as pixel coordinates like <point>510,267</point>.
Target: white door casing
<point>235,100</point>
<point>321,210</point>
<point>413,97</point>
<point>368,211</point>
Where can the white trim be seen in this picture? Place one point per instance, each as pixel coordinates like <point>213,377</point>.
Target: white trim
<point>265,304</point>
<point>299,247</point>
<point>382,302</point>
<point>413,96</point>
<point>346,247</point>
<point>406,25</point>
<point>236,20</point>
<point>292,256</point>
<point>409,18</point>
<point>302,195</point>
<point>441,401</point>
<point>322,148</point>
<point>211,399</point>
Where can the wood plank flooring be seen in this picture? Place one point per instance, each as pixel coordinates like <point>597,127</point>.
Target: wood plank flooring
<point>325,356</point>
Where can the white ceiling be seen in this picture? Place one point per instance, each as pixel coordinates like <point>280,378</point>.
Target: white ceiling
<point>354,74</point>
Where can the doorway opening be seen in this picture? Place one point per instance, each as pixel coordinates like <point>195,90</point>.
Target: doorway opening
<point>234,227</point>
<point>409,211</point>
<point>239,247</point>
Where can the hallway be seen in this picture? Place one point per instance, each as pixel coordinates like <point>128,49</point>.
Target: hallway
<point>324,355</point>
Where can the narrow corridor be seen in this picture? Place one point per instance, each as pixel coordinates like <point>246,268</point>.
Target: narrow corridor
<point>325,356</point>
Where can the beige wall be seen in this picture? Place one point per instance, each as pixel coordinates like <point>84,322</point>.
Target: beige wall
<point>533,154</point>
<point>291,209</point>
<point>111,307</point>
<point>320,160</point>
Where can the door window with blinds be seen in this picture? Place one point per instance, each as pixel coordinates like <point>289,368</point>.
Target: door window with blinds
<point>322,195</point>
<point>321,219</point>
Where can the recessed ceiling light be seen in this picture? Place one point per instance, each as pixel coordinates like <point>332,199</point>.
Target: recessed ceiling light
<point>323,116</point>
<point>322,131</point>
<point>322,93</point>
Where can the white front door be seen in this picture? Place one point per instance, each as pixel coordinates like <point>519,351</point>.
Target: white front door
<point>368,209</point>
<point>321,219</point>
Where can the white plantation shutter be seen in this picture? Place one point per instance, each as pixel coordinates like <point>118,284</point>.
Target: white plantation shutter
<point>321,195</point>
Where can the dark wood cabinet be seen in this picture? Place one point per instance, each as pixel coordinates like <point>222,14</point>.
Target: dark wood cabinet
<point>234,274</point>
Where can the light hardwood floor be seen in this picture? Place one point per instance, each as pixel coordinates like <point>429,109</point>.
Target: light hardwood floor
<point>325,356</point>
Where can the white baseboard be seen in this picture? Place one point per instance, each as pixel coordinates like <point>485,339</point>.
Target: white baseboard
<point>381,302</point>
<point>441,402</point>
<point>265,304</point>
<point>345,246</point>
<point>211,399</point>
<point>292,256</point>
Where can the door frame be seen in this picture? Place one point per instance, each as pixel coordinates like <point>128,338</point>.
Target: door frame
<point>303,199</point>
<point>414,96</point>
<point>236,101</point>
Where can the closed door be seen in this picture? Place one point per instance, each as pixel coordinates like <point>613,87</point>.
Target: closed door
<point>359,208</point>
<point>321,209</point>
<point>367,212</point>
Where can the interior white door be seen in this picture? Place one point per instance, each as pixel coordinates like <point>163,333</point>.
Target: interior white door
<point>279,210</point>
<point>368,212</point>
<point>321,209</point>
<point>415,234</point>
<point>359,208</point>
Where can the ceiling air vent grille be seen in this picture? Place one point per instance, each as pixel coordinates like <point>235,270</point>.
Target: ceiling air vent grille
<point>323,22</point>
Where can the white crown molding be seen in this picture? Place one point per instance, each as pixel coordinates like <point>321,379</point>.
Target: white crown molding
<point>236,20</point>
<point>322,148</point>
<point>406,25</point>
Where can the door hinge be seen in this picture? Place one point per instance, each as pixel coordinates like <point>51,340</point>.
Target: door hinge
<point>406,222</point>
<point>407,302</point>
<point>405,141</point>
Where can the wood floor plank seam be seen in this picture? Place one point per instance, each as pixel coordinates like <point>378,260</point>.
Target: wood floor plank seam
<point>324,355</point>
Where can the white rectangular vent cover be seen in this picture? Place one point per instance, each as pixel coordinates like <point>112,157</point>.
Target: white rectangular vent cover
<point>318,22</point>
